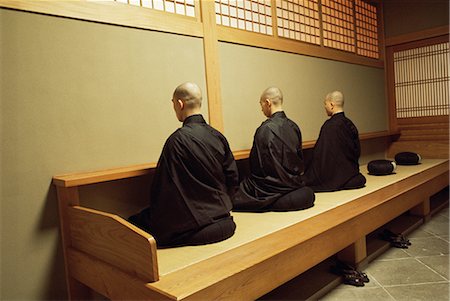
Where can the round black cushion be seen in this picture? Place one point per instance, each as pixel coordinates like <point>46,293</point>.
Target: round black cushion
<point>381,167</point>
<point>407,158</point>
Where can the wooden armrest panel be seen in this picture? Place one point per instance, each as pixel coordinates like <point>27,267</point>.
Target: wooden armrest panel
<point>111,239</point>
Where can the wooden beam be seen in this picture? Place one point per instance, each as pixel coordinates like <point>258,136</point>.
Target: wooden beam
<point>212,66</point>
<point>419,35</point>
<point>381,39</point>
<point>423,121</point>
<point>112,12</point>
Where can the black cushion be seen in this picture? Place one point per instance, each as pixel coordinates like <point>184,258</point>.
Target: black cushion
<point>407,158</point>
<point>381,167</point>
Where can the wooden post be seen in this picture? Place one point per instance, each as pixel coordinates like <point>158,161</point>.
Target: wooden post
<point>68,196</point>
<point>355,253</point>
<point>422,210</point>
<point>212,66</point>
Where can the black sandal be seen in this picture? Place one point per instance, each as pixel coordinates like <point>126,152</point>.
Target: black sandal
<point>363,276</point>
<point>396,239</point>
<point>399,242</point>
<point>350,274</point>
<point>353,279</point>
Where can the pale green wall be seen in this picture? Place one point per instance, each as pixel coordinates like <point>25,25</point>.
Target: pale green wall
<point>75,96</point>
<point>247,71</point>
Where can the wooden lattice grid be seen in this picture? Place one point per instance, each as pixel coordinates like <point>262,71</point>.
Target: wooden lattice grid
<point>422,81</point>
<point>338,24</point>
<point>366,29</point>
<point>181,7</point>
<point>348,25</point>
<point>250,15</point>
<point>299,20</point>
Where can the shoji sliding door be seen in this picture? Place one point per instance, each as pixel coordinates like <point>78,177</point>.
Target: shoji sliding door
<point>418,87</point>
<point>422,81</point>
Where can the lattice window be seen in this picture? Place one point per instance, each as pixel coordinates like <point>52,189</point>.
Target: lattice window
<point>338,24</point>
<point>348,25</point>
<point>250,15</point>
<point>181,7</point>
<point>422,81</point>
<point>299,20</point>
<point>366,29</point>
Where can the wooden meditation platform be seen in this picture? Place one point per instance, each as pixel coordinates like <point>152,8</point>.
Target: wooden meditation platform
<point>105,253</point>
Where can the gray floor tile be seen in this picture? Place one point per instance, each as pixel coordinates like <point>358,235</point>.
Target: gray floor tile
<point>419,233</point>
<point>360,293</point>
<point>445,237</point>
<point>402,271</point>
<point>437,225</point>
<point>420,292</point>
<point>439,264</point>
<point>444,212</point>
<point>428,246</point>
<point>393,253</point>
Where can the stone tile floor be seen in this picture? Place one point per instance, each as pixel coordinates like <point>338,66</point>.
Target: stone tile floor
<point>420,272</point>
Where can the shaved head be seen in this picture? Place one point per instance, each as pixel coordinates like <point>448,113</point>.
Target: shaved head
<point>336,97</point>
<point>274,94</point>
<point>271,101</point>
<point>190,94</point>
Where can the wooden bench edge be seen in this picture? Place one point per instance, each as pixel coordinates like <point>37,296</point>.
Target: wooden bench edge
<point>92,177</point>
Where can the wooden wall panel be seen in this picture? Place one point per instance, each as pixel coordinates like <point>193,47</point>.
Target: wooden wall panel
<point>426,137</point>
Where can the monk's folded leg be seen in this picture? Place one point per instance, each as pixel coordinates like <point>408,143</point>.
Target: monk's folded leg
<point>219,230</point>
<point>357,181</point>
<point>298,199</point>
<point>242,201</point>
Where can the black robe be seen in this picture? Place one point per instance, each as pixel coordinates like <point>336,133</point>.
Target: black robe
<point>195,176</point>
<point>276,164</point>
<point>335,155</point>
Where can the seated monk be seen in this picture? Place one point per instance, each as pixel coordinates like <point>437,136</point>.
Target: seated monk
<point>276,163</point>
<point>334,163</point>
<point>190,200</point>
